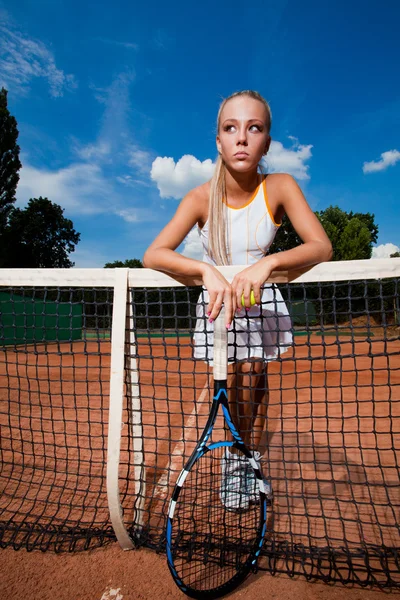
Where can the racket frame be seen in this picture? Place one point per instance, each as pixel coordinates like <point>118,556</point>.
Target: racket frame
<point>220,399</point>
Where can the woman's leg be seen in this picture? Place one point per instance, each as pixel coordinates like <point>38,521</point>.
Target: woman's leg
<point>248,397</point>
<point>248,400</point>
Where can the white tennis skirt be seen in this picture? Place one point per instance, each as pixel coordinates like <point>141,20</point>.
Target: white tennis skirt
<point>261,333</point>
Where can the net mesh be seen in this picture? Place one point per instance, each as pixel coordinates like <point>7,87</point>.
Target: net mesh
<point>329,443</point>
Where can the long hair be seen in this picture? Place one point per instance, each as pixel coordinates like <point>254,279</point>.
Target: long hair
<point>217,209</point>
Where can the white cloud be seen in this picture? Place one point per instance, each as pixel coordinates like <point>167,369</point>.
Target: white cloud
<point>288,160</point>
<point>113,143</point>
<point>113,147</point>
<point>130,181</point>
<point>93,152</point>
<point>388,159</point>
<point>115,119</point>
<point>192,246</point>
<point>130,215</point>
<point>174,180</point>
<point>91,183</point>
<point>384,250</point>
<point>23,59</point>
<point>79,188</point>
<point>140,160</point>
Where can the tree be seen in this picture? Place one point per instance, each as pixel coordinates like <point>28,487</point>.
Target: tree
<point>369,221</point>
<point>39,236</point>
<point>351,234</point>
<point>9,160</point>
<point>395,255</point>
<point>130,263</point>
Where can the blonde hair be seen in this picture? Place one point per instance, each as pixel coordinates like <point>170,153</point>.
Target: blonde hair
<point>217,207</point>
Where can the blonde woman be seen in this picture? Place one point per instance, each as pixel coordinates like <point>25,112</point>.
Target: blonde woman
<point>238,214</point>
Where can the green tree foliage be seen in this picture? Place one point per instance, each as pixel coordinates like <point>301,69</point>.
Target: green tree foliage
<point>351,234</point>
<point>39,236</point>
<point>395,255</point>
<point>130,263</point>
<point>369,220</point>
<point>9,160</point>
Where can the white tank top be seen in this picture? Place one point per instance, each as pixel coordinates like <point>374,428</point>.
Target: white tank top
<point>251,230</point>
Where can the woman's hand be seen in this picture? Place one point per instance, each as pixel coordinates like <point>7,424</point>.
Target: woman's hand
<point>220,293</point>
<point>251,279</point>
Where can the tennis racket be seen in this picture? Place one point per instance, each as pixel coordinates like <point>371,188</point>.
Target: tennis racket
<point>217,515</point>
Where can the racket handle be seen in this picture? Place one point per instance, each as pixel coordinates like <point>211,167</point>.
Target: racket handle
<point>220,369</point>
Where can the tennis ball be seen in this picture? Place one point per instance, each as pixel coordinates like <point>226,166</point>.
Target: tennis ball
<point>252,299</point>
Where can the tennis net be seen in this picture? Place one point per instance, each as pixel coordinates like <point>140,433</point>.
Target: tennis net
<point>101,403</point>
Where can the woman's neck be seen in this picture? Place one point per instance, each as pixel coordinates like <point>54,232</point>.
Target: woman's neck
<point>240,185</point>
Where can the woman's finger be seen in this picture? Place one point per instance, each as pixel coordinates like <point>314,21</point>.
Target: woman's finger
<point>212,296</point>
<point>257,293</point>
<point>228,304</point>
<point>216,306</point>
<point>246,295</point>
<point>237,287</point>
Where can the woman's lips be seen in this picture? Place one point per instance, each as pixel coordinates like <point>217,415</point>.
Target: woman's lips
<point>241,155</point>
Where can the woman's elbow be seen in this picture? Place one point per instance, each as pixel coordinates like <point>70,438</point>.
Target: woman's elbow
<point>147,262</point>
<point>328,251</point>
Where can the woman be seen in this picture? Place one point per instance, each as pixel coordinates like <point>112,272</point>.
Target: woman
<point>238,214</point>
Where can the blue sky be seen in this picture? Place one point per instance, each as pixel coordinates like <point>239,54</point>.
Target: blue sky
<point>116,106</point>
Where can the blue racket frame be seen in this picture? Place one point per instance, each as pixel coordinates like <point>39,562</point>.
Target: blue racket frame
<point>220,399</point>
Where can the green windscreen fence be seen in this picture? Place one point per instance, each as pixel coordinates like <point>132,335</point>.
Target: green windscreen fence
<point>27,318</point>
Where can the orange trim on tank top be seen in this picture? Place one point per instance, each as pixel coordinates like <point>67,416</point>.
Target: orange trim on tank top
<point>267,203</point>
<point>247,203</point>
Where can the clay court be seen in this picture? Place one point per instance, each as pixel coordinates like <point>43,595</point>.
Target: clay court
<point>110,574</point>
<point>330,443</point>
<point>330,451</point>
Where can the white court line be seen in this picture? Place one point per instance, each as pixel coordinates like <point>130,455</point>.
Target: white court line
<point>112,594</point>
<point>177,453</point>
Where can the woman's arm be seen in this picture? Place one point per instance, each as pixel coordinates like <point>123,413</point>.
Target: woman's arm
<point>316,245</point>
<point>161,254</point>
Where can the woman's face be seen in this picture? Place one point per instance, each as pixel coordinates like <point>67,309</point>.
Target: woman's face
<point>243,133</point>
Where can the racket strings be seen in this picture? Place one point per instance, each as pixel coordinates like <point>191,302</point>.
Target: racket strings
<point>210,543</point>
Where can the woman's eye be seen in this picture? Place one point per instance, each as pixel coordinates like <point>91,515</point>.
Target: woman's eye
<point>254,127</point>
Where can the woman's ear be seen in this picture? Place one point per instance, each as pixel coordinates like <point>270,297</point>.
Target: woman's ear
<point>267,145</point>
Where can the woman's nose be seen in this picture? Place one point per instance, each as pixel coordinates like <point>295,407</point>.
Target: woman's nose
<point>242,136</point>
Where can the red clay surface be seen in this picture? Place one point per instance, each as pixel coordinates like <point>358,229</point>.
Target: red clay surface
<point>111,574</point>
<point>332,441</point>
<point>331,446</point>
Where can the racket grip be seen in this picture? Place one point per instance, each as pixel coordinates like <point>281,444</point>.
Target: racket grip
<point>220,369</point>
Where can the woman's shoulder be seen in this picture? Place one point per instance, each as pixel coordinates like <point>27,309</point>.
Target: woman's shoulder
<point>198,198</point>
<point>279,180</point>
<point>201,192</point>
<point>279,186</point>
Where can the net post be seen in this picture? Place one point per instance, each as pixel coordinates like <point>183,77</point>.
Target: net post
<point>116,406</point>
<point>135,420</point>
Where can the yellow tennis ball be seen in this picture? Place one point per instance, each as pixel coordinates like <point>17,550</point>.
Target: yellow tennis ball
<point>252,299</point>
